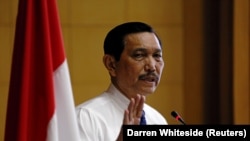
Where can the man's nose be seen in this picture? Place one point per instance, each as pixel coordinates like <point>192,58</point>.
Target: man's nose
<point>150,64</point>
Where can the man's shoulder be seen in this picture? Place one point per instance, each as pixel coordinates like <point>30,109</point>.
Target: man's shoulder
<point>94,102</point>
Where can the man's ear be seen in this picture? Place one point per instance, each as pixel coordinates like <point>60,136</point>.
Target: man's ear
<point>110,64</point>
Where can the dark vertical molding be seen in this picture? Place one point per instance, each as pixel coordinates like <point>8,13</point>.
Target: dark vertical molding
<point>217,61</point>
<point>226,62</point>
<point>208,61</point>
<point>193,60</point>
<point>211,61</point>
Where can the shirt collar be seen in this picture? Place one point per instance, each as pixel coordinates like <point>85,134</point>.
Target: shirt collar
<point>118,97</point>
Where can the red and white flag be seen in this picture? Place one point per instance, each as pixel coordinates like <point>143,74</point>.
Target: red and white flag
<point>40,103</point>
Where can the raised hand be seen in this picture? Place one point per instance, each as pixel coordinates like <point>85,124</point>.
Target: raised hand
<point>132,114</point>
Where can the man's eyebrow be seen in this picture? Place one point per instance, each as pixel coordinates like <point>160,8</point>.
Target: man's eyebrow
<point>144,50</point>
<point>158,50</point>
<point>140,49</point>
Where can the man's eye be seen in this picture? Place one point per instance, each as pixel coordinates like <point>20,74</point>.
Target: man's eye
<point>138,56</point>
<point>158,55</point>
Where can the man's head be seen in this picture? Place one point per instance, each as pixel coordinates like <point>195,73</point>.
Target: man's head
<point>114,41</point>
<point>133,57</point>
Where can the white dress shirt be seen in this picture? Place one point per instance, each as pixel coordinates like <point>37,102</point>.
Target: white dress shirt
<point>101,118</point>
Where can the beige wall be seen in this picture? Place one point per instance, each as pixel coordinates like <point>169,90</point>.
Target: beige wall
<point>85,24</point>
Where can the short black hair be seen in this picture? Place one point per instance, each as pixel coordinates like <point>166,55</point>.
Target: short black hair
<point>114,41</point>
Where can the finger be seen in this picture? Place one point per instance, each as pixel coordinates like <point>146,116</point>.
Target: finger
<point>137,105</point>
<point>126,117</point>
<point>140,105</point>
<point>131,108</point>
<point>137,100</point>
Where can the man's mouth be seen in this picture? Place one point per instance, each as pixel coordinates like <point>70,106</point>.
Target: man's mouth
<point>149,78</point>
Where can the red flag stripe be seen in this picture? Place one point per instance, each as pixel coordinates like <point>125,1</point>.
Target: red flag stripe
<point>38,52</point>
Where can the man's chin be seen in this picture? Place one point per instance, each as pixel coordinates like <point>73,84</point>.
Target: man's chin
<point>148,91</point>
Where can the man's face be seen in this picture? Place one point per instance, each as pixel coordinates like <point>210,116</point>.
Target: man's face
<point>140,66</point>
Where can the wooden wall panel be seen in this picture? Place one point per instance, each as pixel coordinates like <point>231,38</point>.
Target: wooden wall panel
<point>241,62</point>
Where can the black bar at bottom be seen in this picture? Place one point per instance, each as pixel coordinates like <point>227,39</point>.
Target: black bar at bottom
<point>193,132</point>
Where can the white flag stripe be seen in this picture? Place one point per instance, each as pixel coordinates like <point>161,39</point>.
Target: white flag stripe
<point>65,117</point>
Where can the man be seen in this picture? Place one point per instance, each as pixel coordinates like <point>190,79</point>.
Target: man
<point>133,58</point>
